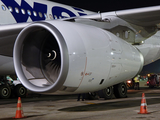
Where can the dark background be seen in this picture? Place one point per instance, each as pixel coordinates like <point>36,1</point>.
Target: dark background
<point>108,5</point>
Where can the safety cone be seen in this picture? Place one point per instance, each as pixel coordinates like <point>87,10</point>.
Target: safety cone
<point>143,108</point>
<point>19,111</point>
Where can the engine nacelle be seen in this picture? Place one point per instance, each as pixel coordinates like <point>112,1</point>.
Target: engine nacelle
<point>65,57</point>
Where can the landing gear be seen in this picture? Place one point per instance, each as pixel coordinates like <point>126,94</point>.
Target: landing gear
<point>5,92</point>
<point>20,91</point>
<point>10,88</point>
<point>120,90</point>
<point>106,93</point>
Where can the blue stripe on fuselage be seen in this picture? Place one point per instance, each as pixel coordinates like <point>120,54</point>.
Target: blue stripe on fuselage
<point>19,17</point>
<point>59,10</point>
<point>38,7</point>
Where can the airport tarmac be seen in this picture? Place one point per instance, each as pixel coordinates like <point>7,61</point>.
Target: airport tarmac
<point>68,108</point>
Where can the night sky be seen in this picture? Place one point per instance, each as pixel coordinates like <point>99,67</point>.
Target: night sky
<point>112,5</point>
<point>108,5</point>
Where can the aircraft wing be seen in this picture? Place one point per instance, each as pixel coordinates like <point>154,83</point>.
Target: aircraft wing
<point>8,34</point>
<point>147,16</point>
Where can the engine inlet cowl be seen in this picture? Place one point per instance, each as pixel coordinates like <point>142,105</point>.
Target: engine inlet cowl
<point>40,58</point>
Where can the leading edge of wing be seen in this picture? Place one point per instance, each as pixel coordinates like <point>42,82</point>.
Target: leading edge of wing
<point>146,16</point>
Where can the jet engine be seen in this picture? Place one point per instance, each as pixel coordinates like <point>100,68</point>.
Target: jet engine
<point>66,57</point>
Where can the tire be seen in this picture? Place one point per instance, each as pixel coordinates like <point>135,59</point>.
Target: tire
<point>5,92</point>
<point>106,93</point>
<point>120,90</point>
<point>20,91</point>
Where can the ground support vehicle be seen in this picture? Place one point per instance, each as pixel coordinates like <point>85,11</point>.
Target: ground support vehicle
<point>153,80</point>
<point>10,88</point>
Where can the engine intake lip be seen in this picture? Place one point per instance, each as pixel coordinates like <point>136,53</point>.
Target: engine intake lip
<point>63,52</point>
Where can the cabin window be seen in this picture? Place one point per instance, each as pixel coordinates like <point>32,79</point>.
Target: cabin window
<point>17,10</point>
<point>55,17</point>
<point>34,13</point>
<point>3,8</point>
<point>45,15</point>
<point>23,11</point>
<point>29,12</point>
<point>10,9</point>
<point>40,14</point>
